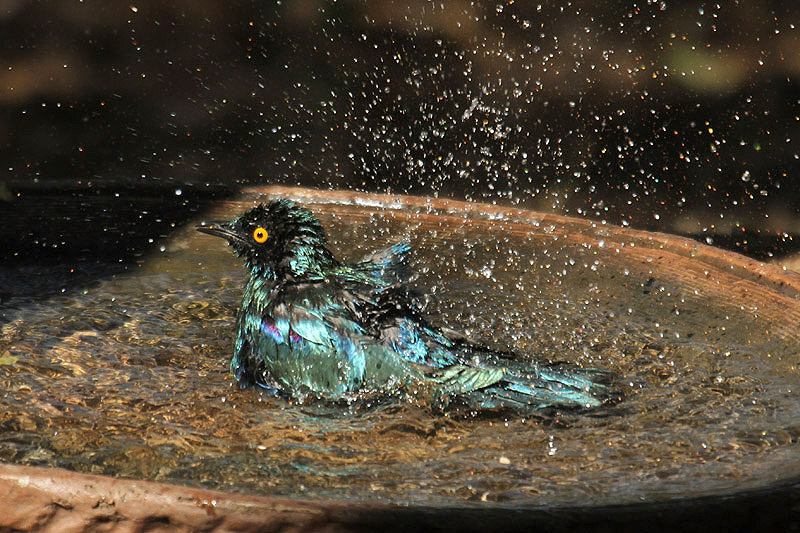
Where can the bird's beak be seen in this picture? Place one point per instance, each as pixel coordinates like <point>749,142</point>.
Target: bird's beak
<point>218,229</point>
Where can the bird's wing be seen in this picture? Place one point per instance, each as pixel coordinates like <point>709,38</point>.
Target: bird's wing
<point>393,317</point>
<point>353,321</point>
<point>385,267</point>
<point>319,340</point>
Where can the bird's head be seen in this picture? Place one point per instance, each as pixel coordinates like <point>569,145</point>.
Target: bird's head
<point>277,239</point>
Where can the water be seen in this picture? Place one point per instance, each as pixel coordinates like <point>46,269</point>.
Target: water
<point>128,377</point>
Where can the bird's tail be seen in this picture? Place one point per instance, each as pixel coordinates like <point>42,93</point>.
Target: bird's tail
<point>551,386</point>
<point>528,387</point>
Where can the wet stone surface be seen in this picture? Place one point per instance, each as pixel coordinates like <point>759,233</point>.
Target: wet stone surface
<point>128,377</point>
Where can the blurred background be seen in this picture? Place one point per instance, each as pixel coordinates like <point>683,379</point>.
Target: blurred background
<point>121,120</point>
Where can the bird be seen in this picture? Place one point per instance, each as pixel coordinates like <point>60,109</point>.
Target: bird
<point>311,326</point>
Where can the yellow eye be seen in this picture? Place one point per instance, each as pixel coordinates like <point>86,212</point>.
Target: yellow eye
<point>260,235</point>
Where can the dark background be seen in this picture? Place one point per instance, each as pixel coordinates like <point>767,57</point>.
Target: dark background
<point>120,120</point>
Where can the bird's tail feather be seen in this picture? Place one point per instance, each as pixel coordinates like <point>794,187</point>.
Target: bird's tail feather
<point>544,386</point>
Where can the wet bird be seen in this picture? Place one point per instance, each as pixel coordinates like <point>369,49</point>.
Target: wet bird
<point>310,325</point>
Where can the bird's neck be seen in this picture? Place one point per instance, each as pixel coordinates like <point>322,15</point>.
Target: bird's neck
<point>305,263</point>
<point>257,294</point>
<point>308,263</point>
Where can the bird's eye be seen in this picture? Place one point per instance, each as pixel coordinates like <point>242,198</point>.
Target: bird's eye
<point>260,235</point>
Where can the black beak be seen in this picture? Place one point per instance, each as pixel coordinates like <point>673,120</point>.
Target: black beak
<point>218,229</point>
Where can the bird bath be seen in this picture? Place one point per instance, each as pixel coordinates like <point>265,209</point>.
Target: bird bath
<point>128,377</point>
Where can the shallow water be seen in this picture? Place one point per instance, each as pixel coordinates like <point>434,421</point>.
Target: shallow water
<point>129,376</point>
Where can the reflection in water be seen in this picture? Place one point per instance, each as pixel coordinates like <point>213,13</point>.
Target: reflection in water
<point>131,377</point>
